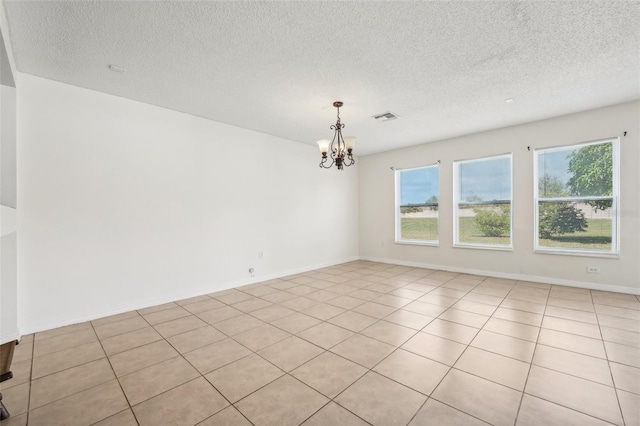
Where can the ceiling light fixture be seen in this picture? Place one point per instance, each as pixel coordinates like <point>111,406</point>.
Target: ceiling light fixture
<point>341,148</point>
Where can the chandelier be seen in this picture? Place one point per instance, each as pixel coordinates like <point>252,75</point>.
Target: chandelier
<point>339,150</point>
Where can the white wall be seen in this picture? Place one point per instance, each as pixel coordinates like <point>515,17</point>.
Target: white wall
<point>8,198</point>
<point>125,205</point>
<point>376,183</point>
<point>8,261</point>
<point>8,278</point>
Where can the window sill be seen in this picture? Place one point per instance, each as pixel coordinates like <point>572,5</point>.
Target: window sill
<point>418,243</point>
<point>577,253</point>
<point>478,247</point>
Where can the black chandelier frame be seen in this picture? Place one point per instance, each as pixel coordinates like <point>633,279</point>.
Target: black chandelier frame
<point>340,155</point>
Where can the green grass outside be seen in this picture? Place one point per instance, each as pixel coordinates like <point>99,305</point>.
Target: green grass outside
<point>596,237</point>
<point>419,228</point>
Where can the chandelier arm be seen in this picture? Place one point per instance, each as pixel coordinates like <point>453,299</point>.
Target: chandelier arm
<point>325,160</point>
<point>338,135</point>
<point>334,150</point>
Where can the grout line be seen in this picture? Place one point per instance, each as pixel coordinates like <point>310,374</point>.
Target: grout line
<point>33,348</point>
<point>116,376</point>
<point>456,409</point>
<point>573,352</point>
<point>201,375</point>
<point>615,389</point>
<point>535,348</point>
<point>89,388</point>
<point>435,388</point>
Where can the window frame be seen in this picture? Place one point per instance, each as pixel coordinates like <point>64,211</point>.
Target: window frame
<point>398,199</point>
<point>456,202</point>
<point>615,202</point>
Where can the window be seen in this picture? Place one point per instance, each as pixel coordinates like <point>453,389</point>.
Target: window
<point>482,197</point>
<point>576,198</point>
<point>417,193</point>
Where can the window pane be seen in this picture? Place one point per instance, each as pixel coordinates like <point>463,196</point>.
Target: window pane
<point>485,180</point>
<point>485,224</point>
<point>419,204</point>
<point>586,171</point>
<point>484,202</point>
<point>419,186</point>
<point>580,226</point>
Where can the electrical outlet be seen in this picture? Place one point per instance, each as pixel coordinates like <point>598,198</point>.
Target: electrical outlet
<point>260,255</point>
<point>252,272</point>
<point>593,269</point>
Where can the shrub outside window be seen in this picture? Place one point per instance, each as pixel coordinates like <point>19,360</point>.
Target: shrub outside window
<point>482,197</point>
<point>576,198</point>
<point>417,192</point>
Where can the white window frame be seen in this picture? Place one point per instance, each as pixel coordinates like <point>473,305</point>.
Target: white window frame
<point>615,204</point>
<point>398,230</point>
<point>456,202</point>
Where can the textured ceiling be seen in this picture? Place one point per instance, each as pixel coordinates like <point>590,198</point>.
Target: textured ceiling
<point>276,67</point>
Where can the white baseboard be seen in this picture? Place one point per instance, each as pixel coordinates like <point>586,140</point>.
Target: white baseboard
<point>241,282</point>
<point>177,296</point>
<point>518,277</point>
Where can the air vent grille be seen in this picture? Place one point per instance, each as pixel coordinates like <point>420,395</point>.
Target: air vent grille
<point>387,116</point>
<point>117,69</point>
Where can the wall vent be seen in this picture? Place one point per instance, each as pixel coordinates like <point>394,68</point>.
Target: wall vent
<point>387,116</point>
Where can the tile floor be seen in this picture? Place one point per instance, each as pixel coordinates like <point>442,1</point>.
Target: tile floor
<point>355,344</point>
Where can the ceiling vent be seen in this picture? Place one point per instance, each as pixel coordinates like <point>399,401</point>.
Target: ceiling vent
<point>387,116</point>
<point>118,69</point>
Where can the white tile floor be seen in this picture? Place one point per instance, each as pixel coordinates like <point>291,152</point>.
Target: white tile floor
<point>355,344</point>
